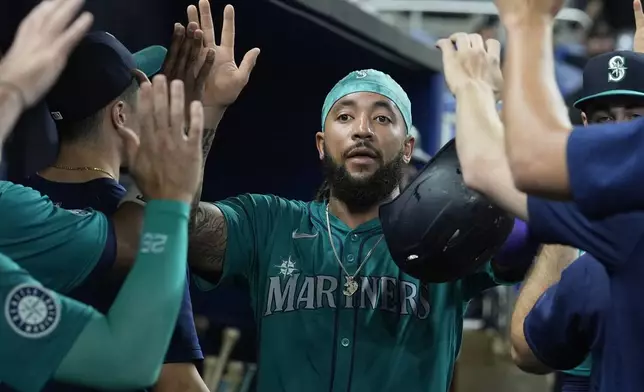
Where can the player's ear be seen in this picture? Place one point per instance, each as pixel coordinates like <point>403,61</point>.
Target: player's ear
<point>117,114</point>
<point>584,118</point>
<point>319,144</point>
<point>408,148</point>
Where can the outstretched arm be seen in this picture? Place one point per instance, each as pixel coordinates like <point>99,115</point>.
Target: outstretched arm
<point>545,273</point>
<point>535,115</point>
<point>473,74</point>
<point>217,90</point>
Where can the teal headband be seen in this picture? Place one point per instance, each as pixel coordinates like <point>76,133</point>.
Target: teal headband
<point>369,81</point>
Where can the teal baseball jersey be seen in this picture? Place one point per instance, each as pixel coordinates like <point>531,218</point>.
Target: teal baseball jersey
<point>37,328</point>
<point>58,247</point>
<point>393,333</point>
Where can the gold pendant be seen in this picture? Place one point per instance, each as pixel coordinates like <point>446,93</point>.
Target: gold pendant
<point>350,287</point>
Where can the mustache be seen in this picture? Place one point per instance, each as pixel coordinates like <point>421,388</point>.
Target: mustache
<point>362,146</point>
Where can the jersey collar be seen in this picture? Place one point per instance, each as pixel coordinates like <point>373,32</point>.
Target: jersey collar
<point>318,218</point>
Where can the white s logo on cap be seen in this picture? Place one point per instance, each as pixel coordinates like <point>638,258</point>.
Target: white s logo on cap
<point>616,69</point>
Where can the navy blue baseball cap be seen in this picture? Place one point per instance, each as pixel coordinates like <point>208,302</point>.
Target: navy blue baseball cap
<point>613,74</point>
<point>97,72</point>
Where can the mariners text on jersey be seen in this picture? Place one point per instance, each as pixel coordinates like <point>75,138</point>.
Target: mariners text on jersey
<point>296,292</point>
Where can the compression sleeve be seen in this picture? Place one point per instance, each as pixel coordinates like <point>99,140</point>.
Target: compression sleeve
<point>126,349</point>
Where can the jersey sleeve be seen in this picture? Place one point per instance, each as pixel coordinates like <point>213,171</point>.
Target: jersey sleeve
<point>250,221</point>
<point>184,344</point>
<point>37,328</point>
<point>565,322</point>
<point>610,240</point>
<point>59,247</point>
<point>606,167</point>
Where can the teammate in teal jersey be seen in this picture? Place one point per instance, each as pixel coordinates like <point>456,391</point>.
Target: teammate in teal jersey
<point>44,335</point>
<point>316,331</point>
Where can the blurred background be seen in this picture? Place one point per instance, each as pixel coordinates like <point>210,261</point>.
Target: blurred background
<point>265,143</point>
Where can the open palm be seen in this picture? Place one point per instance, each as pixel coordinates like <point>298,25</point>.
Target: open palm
<point>227,79</point>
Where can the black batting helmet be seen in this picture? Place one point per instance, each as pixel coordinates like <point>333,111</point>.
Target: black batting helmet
<point>437,229</point>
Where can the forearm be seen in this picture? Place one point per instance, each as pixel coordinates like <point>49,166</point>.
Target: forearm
<point>10,109</point>
<point>535,115</point>
<point>133,338</point>
<point>481,150</point>
<point>212,118</point>
<point>479,131</point>
<point>128,224</point>
<point>545,272</point>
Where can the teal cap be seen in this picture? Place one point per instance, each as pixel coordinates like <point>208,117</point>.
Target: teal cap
<point>150,60</point>
<point>369,81</point>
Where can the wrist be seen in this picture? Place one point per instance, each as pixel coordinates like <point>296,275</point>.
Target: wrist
<point>135,195</point>
<point>528,24</point>
<point>473,86</point>
<point>11,94</point>
<point>170,195</point>
<point>212,115</point>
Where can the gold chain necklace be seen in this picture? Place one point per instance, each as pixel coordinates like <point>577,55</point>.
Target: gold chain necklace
<point>350,286</point>
<point>84,168</point>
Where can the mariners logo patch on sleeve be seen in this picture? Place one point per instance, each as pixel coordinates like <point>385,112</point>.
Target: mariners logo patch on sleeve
<point>32,311</point>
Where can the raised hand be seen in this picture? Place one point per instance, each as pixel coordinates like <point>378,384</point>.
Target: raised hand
<point>638,40</point>
<point>165,160</point>
<point>44,40</point>
<point>227,80</point>
<point>467,59</point>
<point>183,60</point>
<point>516,12</point>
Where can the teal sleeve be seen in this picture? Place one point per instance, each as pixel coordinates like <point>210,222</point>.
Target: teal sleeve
<point>250,220</point>
<point>37,328</point>
<point>474,284</point>
<point>582,370</point>
<point>126,348</point>
<point>58,247</point>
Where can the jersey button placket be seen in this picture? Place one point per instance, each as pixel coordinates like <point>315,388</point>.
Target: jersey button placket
<point>346,318</point>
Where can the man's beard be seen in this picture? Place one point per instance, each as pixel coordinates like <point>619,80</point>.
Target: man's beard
<point>361,194</point>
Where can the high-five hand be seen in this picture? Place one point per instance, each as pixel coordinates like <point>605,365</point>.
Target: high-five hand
<point>227,80</point>
<point>183,60</point>
<point>164,161</point>
<point>514,12</point>
<point>42,45</point>
<point>638,39</point>
<point>467,59</point>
